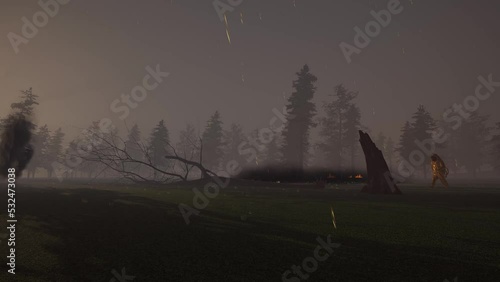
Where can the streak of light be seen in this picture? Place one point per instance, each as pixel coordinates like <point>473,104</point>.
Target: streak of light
<point>334,221</point>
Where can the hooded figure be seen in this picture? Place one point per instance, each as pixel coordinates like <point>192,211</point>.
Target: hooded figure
<point>439,170</point>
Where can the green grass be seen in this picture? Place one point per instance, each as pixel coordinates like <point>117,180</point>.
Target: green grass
<point>80,232</point>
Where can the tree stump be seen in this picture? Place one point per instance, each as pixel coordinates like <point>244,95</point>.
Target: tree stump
<point>379,177</point>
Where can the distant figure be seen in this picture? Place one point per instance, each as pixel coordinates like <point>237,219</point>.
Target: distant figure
<point>439,170</point>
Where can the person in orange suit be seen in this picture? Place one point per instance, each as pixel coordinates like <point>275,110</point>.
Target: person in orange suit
<point>439,170</point>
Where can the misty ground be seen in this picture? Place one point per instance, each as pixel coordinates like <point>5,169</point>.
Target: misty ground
<point>253,232</point>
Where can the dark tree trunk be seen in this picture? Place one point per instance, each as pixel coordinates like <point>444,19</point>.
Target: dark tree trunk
<point>380,180</point>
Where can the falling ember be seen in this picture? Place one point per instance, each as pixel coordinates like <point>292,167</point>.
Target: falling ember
<point>227,29</point>
<point>334,221</point>
<point>358,176</point>
<point>228,36</point>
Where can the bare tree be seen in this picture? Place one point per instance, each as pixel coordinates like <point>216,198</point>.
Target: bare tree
<point>110,151</point>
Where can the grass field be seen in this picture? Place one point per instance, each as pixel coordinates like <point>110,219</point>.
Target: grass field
<point>252,232</point>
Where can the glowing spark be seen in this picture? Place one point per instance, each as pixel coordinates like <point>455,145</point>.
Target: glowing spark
<point>241,17</point>
<point>228,36</point>
<point>227,29</point>
<point>334,221</point>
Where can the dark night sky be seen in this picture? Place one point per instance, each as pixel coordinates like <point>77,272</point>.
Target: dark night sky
<point>92,51</point>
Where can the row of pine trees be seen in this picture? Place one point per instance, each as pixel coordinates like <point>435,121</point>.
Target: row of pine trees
<point>469,148</point>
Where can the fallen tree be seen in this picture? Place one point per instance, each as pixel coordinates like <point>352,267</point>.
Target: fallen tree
<point>109,151</point>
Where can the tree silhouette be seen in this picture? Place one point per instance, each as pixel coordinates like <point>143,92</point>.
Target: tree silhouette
<point>213,142</point>
<point>133,146</point>
<point>54,150</point>
<point>340,127</point>
<point>232,140</point>
<point>471,142</point>
<point>299,120</point>
<point>423,125</point>
<point>158,146</point>
<point>41,140</point>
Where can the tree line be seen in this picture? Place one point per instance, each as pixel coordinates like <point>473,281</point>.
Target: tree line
<point>155,157</point>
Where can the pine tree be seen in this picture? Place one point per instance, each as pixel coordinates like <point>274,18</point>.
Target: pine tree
<point>351,135</point>
<point>340,127</point>
<point>54,150</point>
<point>232,140</point>
<point>472,140</point>
<point>23,109</point>
<point>301,111</point>
<point>26,106</point>
<point>272,152</point>
<point>406,142</point>
<point>213,142</point>
<point>41,141</point>
<point>158,146</point>
<point>134,149</point>
<point>423,125</point>
<point>189,145</point>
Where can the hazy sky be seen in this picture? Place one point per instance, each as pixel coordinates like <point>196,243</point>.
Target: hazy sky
<point>93,51</point>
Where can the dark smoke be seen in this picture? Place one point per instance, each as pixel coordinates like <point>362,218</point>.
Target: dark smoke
<point>15,148</point>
